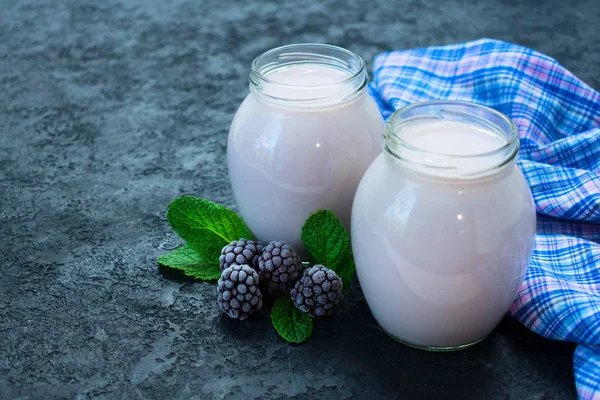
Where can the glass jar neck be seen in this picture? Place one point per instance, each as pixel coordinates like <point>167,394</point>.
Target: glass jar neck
<point>445,158</point>
<point>349,69</point>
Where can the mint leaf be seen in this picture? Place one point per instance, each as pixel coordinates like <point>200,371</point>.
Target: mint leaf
<point>290,323</point>
<point>346,271</point>
<point>205,226</point>
<point>191,263</point>
<point>327,242</point>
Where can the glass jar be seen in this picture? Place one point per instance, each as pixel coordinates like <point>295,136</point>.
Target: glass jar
<point>443,225</point>
<point>302,139</point>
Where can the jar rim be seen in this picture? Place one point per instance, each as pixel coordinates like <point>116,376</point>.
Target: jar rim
<point>255,68</point>
<point>304,53</point>
<point>452,164</point>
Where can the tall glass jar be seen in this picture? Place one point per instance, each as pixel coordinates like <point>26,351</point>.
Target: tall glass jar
<point>302,139</point>
<point>443,225</point>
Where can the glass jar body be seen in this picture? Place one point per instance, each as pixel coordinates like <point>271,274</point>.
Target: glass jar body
<point>440,263</point>
<point>441,241</point>
<point>286,163</point>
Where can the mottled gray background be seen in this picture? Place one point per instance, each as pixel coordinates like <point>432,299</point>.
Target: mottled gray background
<point>110,109</point>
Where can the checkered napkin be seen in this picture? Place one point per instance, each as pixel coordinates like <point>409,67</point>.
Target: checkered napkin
<point>558,118</point>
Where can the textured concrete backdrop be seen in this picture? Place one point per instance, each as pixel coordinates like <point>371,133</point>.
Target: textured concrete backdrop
<point>111,109</point>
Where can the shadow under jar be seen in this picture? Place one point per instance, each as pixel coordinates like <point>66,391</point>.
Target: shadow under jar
<point>302,139</point>
<point>443,225</point>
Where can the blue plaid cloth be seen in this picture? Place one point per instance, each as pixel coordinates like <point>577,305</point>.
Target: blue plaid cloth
<point>558,118</point>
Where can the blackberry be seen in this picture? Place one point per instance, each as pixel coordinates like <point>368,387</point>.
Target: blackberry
<point>240,252</point>
<point>238,292</point>
<point>318,292</point>
<point>279,268</point>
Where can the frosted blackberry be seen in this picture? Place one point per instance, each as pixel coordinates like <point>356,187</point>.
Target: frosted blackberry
<point>318,292</point>
<point>238,293</point>
<point>279,268</point>
<point>241,252</point>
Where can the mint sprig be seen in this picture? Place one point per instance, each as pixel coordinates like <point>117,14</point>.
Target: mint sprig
<point>191,263</point>
<point>205,226</point>
<point>208,227</point>
<point>327,242</point>
<point>290,323</point>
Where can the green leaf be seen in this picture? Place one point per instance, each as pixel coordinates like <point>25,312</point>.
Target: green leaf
<point>346,271</point>
<point>290,323</point>
<point>205,226</point>
<point>191,263</point>
<point>327,242</point>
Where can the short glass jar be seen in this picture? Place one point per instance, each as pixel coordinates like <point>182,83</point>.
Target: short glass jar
<point>443,225</point>
<point>302,139</point>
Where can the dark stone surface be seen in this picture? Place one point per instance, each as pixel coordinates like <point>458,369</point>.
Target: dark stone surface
<point>110,109</point>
